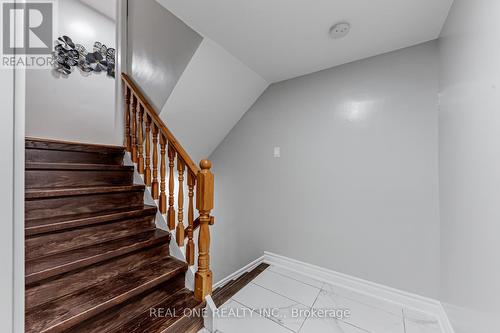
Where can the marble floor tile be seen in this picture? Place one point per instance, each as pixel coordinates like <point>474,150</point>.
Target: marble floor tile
<point>281,301</point>
<point>328,325</point>
<point>282,310</point>
<point>419,322</point>
<point>369,318</point>
<point>283,285</point>
<point>247,324</point>
<point>296,276</point>
<point>379,303</point>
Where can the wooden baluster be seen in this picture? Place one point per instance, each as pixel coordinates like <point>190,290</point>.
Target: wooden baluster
<point>128,137</point>
<point>171,210</point>
<point>147,173</point>
<point>154,184</point>
<point>179,233</point>
<point>204,204</point>
<point>140,150</point>
<point>134,129</point>
<point>163,170</point>
<point>190,242</point>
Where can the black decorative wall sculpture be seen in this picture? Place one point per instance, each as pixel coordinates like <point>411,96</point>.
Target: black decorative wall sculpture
<point>69,55</point>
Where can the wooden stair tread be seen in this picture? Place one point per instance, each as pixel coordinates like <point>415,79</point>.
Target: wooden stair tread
<point>94,260</point>
<point>222,294</point>
<point>65,312</point>
<point>135,316</point>
<point>177,322</point>
<point>87,277</point>
<point>59,223</point>
<point>76,166</point>
<point>39,193</point>
<point>50,244</point>
<point>50,266</point>
<point>114,319</point>
<point>49,144</point>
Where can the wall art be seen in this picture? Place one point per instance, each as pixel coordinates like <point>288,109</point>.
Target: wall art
<point>69,55</point>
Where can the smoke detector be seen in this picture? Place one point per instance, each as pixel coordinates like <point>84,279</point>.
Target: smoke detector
<point>340,30</point>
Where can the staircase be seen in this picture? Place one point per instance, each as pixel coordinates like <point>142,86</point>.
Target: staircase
<point>95,261</point>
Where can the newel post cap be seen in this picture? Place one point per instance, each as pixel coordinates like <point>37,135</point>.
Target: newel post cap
<point>205,165</point>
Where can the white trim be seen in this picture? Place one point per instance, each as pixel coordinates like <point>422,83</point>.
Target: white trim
<point>209,320</point>
<point>239,272</point>
<point>121,66</point>
<point>18,196</point>
<point>388,294</point>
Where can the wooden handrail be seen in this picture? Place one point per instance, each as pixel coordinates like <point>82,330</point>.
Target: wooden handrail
<point>145,133</point>
<point>159,123</point>
<point>196,225</point>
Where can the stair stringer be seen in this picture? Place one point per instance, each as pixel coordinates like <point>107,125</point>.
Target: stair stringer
<point>176,251</point>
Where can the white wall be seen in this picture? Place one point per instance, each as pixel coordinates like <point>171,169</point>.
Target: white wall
<point>76,108</point>
<point>6,198</point>
<point>469,164</point>
<point>212,94</point>
<point>159,48</point>
<point>356,187</point>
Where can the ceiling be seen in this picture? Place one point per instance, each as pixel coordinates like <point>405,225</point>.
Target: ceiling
<point>282,39</point>
<point>106,7</point>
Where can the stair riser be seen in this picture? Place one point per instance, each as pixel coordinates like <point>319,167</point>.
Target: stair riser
<point>79,204</point>
<point>62,156</point>
<point>69,178</point>
<point>45,245</point>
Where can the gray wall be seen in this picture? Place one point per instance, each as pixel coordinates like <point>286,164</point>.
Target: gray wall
<point>356,187</point>
<point>470,164</point>
<point>78,107</point>
<point>160,47</point>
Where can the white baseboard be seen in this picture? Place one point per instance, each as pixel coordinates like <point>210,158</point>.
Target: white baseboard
<point>403,298</point>
<point>388,294</point>
<point>239,272</point>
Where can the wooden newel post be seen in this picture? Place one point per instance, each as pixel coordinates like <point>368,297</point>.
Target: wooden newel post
<point>204,204</point>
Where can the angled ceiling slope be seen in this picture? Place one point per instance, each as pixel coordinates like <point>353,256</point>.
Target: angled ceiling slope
<point>282,39</point>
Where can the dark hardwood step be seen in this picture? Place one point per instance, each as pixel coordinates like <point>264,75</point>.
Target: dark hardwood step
<point>174,319</point>
<point>43,193</point>
<point>54,243</point>
<point>49,290</point>
<point>59,223</point>
<point>113,320</point>
<point>94,260</point>
<point>54,151</point>
<point>222,294</point>
<point>139,315</point>
<point>54,175</point>
<point>44,268</point>
<point>44,203</point>
<point>63,313</point>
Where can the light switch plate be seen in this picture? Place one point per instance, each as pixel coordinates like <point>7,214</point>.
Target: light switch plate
<point>277,152</point>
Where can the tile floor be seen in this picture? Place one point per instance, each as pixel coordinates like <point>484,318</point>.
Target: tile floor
<point>275,301</point>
